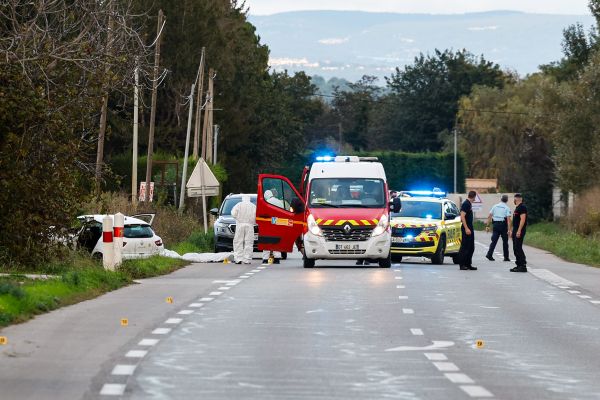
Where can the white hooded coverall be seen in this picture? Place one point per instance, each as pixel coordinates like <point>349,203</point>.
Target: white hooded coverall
<point>243,241</point>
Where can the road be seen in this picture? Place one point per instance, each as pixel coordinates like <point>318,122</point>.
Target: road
<point>334,332</point>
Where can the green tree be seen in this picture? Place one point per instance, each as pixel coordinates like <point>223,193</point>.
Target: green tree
<point>424,98</point>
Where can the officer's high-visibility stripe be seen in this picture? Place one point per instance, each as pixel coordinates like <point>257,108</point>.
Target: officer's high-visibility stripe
<point>341,222</point>
<point>353,222</point>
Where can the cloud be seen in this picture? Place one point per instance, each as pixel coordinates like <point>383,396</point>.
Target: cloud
<point>483,28</point>
<point>333,41</point>
<point>292,62</point>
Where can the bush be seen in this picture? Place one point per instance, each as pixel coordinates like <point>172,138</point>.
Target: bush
<point>585,217</point>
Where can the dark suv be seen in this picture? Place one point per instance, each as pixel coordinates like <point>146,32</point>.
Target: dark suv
<point>225,224</point>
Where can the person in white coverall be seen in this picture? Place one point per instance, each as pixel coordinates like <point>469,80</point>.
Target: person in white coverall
<point>271,199</point>
<point>243,241</point>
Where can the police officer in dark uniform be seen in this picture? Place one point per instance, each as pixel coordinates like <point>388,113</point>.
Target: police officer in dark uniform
<point>467,246</point>
<point>518,233</point>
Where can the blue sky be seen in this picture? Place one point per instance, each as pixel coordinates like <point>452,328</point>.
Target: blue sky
<point>262,7</point>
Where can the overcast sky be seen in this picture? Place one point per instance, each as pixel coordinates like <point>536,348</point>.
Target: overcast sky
<point>262,7</point>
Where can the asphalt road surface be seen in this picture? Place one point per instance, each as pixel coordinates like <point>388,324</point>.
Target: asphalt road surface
<point>416,331</point>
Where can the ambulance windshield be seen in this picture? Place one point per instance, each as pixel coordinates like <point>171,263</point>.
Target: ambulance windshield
<point>347,193</point>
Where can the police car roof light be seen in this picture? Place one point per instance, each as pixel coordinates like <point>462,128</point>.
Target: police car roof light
<point>325,158</point>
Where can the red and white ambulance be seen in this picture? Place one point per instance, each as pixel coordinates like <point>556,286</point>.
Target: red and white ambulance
<point>341,212</point>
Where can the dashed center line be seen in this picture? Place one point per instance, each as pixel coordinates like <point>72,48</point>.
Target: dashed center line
<point>161,331</point>
<point>400,287</point>
<point>402,297</point>
<point>196,305</point>
<point>123,369</point>
<point>206,299</point>
<point>148,342</point>
<point>136,354</point>
<point>173,321</point>
<point>185,312</point>
<point>436,356</point>
<point>446,366</point>
<point>225,288</point>
<point>112,389</point>
<point>476,391</point>
<point>408,311</point>
<point>457,377</point>
<point>215,293</point>
<point>416,332</point>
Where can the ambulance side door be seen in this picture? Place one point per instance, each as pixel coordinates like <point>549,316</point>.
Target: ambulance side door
<point>452,217</point>
<point>279,213</point>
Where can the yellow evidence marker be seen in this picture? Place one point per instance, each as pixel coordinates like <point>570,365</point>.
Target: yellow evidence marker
<point>480,344</point>
<point>3,340</point>
<point>226,261</point>
<point>169,300</point>
<point>271,260</point>
<point>124,322</point>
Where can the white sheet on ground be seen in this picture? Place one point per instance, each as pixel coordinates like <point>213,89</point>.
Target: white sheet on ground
<point>199,257</point>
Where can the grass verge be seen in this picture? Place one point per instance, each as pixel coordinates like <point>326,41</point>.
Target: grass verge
<point>564,243</point>
<point>79,277</point>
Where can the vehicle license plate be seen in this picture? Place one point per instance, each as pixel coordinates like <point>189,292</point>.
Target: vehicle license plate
<point>347,247</point>
<point>402,240</point>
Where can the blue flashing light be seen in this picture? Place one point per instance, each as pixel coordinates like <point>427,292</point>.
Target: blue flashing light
<point>429,216</point>
<point>427,193</point>
<point>410,237</point>
<point>325,158</point>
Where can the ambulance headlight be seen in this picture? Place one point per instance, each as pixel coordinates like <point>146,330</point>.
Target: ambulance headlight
<point>313,227</point>
<point>382,226</point>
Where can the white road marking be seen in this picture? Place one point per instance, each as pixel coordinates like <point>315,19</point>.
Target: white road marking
<point>399,277</point>
<point>249,273</point>
<point>455,377</point>
<point>595,301</point>
<point>225,288</point>
<point>446,366</point>
<point>489,307</point>
<point>564,287</point>
<point>215,293</point>
<point>244,277</point>
<point>551,277</point>
<point>261,268</point>
<point>436,356</point>
<point>112,389</point>
<point>173,321</point>
<point>408,311</point>
<point>584,296</point>
<point>437,344</point>
<point>416,332</point>
<point>320,310</point>
<point>232,283</point>
<point>206,299</point>
<point>196,305</point>
<point>400,287</point>
<point>148,342</point>
<point>185,312</point>
<point>256,270</point>
<point>123,369</point>
<point>161,331</point>
<point>476,391</point>
<point>136,354</point>
<point>574,291</point>
<point>402,297</point>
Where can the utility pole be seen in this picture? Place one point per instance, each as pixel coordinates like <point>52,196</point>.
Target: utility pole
<point>187,149</point>
<point>215,143</point>
<point>104,111</point>
<point>153,106</point>
<point>206,129</point>
<point>199,107</point>
<point>456,157</point>
<point>134,162</point>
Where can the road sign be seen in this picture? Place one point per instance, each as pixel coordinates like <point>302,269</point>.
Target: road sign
<point>202,182</point>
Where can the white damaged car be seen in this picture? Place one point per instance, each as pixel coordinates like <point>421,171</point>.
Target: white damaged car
<point>139,239</point>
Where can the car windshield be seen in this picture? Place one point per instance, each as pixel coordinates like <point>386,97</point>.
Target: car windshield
<point>420,209</point>
<point>138,232</point>
<point>228,204</point>
<point>347,192</point>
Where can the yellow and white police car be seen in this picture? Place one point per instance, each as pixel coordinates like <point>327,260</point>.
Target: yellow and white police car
<point>427,226</point>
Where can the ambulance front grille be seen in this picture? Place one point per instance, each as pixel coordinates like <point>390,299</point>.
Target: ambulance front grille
<point>347,252</point>
<point>357,234</point>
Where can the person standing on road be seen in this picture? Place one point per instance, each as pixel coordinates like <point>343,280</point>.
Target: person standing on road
<point>500,217</point>
<point>244,213</point>
<point>467,245</point>
<point>518,233</point>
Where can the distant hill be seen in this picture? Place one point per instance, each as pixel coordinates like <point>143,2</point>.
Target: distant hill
<point>348,44</point>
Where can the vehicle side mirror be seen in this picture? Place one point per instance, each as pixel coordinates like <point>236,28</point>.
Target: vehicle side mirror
<point>449,216</point>
<point>298,206</point>
<point>396,205</point>
<point>215,212</point>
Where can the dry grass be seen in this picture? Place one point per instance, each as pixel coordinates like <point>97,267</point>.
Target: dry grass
<point>585,217</point>
<point>168,223</point>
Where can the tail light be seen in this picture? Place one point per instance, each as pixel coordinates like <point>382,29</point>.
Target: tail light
<point>158,243</point>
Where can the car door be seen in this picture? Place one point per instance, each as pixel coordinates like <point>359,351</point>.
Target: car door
<point>279,213</point>
<point>453,226</point>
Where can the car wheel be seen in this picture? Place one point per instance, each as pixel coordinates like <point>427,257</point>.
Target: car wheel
<point>386,262</point>
<point>438,257</point>
<point>308,263</point>
<point>396,258</point>
<point>284,256</point>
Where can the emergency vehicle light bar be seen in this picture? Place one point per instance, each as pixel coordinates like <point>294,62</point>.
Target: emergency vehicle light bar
<point>425,193</point>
